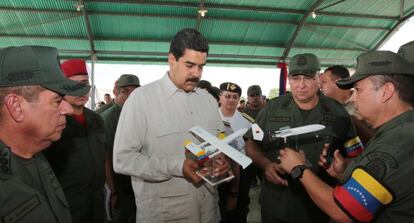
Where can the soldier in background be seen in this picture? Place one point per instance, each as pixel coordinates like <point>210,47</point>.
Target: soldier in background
<point>107,98</point>
<point>78,158</point>
<point>254,102</point>
<point>234,195</point>
<point>329,88</point>
<point>122,196</point>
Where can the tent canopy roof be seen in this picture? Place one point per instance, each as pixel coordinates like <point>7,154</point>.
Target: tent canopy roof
<point>240,32</point>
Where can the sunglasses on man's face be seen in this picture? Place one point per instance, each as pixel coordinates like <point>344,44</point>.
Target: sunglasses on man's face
<point>254,95</point>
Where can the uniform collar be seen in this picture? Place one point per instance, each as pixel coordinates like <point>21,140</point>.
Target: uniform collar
<point>399,120</point>
<point>5,166</point>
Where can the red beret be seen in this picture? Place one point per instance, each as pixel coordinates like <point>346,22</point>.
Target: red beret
<point>74,67</point>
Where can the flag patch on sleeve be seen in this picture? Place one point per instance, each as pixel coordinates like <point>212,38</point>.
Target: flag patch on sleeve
<point>362,196</point>
<point>353,147</point>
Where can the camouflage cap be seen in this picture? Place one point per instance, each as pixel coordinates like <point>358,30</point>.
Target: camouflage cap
<point>36,65</point>
<point>374,63</point>
<point>231,87</point>
<point>307,64</point>
<point>407,51</point>
<point>128,80</point>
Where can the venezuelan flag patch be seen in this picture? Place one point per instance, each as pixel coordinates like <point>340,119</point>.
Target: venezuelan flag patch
<point>362,196</point>
<point>353,147</point>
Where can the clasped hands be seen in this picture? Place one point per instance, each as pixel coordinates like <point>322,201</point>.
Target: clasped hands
<point>222,167</point>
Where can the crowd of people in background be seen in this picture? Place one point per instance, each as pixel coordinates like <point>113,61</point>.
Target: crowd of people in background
<point>127,162</point>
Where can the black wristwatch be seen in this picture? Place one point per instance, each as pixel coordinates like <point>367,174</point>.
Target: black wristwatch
<point>297,172</point>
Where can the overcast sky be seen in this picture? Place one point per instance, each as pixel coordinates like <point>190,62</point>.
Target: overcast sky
<point>106,74</point>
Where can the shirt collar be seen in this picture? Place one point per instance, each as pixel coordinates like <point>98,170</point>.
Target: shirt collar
<point>171,89</point>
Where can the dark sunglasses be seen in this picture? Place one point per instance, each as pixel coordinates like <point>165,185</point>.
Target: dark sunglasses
<point>254,95</point>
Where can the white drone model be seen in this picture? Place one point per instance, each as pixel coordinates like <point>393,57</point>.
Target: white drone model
<point>213,145</point>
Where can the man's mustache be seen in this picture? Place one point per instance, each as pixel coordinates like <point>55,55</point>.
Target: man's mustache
<point>193,79</point>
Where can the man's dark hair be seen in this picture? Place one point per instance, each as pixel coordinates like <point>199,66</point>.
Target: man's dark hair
<point>107,94</point>
<point>404,85</point>
<point>188,39</point>
<point>215,92</point>
<point>338,71</point>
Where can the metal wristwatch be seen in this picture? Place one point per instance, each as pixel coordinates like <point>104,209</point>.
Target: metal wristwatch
<point>297,172</point>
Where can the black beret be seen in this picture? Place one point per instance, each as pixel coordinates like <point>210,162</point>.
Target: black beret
<point>231,87</point>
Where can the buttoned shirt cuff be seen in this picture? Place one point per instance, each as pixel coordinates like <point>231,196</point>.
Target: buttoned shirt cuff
<point>175,167</point>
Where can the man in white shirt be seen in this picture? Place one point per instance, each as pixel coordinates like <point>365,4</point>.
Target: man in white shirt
<point>152,130</point>
<point>234,196</point>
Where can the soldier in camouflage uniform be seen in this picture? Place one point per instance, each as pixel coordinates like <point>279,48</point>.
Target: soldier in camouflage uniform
<point>122,195</point>
<point>32,116</point>
<point>378,185</point>
<point>281,199</point>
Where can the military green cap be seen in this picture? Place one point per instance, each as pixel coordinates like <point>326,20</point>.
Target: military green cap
<point>306,64</point>
<point>377,63</point>
<point>127,80</point>
<point>254,90</point>
<point>407,51</point>
<point>36,65</point>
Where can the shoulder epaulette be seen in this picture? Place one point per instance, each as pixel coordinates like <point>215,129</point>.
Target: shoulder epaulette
<point>248,117</point>
<point>5,165</point>
<point>227,124</point>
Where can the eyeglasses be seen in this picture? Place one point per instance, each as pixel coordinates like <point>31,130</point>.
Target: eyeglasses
<point>234,96</point>
<point>255,95</point>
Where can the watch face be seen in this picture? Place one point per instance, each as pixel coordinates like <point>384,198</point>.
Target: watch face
<point>296,172</point>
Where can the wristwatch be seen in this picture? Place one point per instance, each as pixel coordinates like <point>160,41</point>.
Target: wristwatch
<point>297,172</point>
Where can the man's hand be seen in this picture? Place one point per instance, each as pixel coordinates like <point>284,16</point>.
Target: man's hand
<point>272,171</point>
<point>189,168</point>
<point>221,165</point>
<point>338,164</point>
<point>290,158</point>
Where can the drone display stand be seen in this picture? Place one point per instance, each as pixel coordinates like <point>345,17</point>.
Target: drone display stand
<point>207,173</point>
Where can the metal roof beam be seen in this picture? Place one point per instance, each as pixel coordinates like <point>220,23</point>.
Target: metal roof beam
<point>252,44</point>
<point>245,8</point>
<point>87,24</point>
<point>355,15</point>
<point>224,56</point>
<point>47,11</point>
<point>163,61</point>
<point>3,35</point>
<point>324,62</point>
<point>42,11</point>
<point>237,20</point>
<point>299,28</point>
